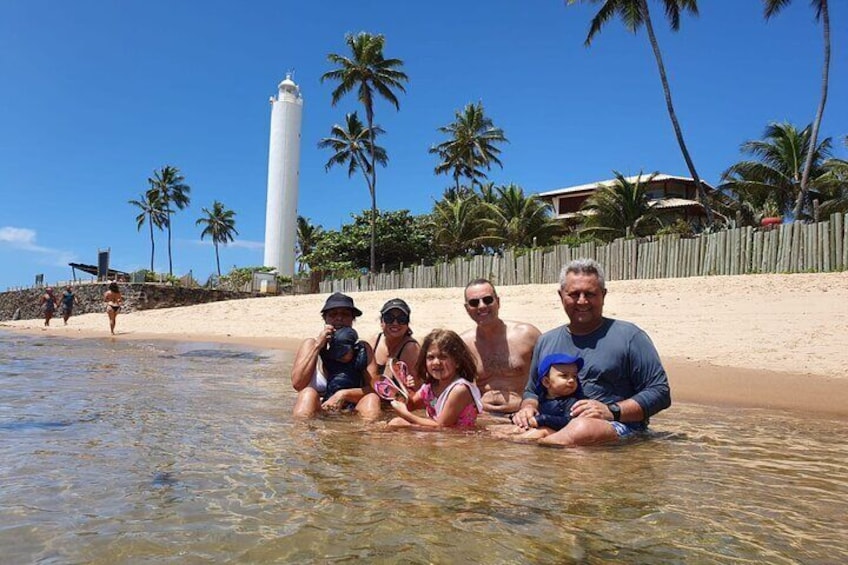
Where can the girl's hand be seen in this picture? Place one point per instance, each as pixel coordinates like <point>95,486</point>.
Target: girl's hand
<point>400,407</point>
<point>410,382</point>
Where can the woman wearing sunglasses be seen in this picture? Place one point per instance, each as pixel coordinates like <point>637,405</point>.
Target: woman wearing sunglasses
<point>395,341</point>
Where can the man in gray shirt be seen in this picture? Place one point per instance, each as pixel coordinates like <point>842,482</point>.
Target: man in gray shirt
<point>622,376</point>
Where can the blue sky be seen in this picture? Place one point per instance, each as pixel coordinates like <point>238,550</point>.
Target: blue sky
<point>95,95</point>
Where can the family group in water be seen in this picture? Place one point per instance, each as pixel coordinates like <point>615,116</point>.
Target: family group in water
<point>590,381</point>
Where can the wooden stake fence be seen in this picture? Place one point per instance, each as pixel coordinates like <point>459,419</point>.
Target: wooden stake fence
<point>788,248</point>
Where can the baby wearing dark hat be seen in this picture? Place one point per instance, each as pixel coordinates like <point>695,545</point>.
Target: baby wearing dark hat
<point>559,389</point>
<point>344,360</point>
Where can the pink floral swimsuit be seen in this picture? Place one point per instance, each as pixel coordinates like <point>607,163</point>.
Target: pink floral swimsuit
<point>434,406</point>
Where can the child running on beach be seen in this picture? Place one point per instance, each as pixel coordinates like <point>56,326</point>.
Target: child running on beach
<point>558,388</point>
<point>448,395</point>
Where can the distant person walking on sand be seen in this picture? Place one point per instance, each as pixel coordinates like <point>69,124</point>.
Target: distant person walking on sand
<point>622,376</point>
<point>503,349</point>
<point>314,358</point>
<point>48,305</point>
<point>113,300</point>
<point>68,298</point>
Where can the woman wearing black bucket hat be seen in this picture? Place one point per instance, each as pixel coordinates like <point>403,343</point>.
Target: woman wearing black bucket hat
<point>308,379</point>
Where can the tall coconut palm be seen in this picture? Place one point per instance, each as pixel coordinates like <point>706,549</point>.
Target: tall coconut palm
<point>634,14</point>
<point>168,185</point>
<point>351,144</point>
<point>774,178</point>
<point>772,7</point>
<point>308,236</point>
<point>456,225</point>
<point>472,145</point>
<point>621,207</point>
<point>220,226</point>
<point>368,72</point>
<point>153,212</point>
<point>355,146</point>
<point>517,220</point>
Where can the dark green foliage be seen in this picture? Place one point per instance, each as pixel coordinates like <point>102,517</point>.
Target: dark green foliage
<point>770,184</point>
<point>517,220</point>
<point>240,276</point>
<point>622,208</point>
<point>402,239</point>
<point>679,227</point>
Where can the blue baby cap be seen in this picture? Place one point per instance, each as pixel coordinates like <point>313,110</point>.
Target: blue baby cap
<point>556,359</point>
<point>342,341</point>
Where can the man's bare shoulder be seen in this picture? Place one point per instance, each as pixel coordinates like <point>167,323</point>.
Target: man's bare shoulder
<point>522,330</point>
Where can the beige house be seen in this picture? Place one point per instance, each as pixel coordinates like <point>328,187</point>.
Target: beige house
<point>675,197</point>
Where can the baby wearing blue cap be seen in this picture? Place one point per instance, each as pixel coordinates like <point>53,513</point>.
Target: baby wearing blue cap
<point>558,388</point>
<point>344,360</point>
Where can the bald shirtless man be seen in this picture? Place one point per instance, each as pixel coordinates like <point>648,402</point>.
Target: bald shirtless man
<point>503,349</point>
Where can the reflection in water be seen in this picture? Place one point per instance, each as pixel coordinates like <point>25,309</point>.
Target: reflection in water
<point>185,453</point>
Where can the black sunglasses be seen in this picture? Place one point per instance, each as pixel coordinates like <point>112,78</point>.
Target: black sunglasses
<point>475,302</point>
<point>389,318</point>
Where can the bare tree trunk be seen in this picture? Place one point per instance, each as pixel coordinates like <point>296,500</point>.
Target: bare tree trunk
<point>170,262</point>
<point>152,241</point>
<point>217,259</point>
<point>702,193</point>
<point>808,164</point>
<point>370,114</point>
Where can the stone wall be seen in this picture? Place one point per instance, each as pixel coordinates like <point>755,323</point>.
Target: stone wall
<point>89,298</point>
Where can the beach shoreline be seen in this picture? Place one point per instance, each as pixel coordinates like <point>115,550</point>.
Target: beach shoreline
<point>755,341</point>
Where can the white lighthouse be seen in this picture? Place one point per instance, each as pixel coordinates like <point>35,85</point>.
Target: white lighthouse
<point>283,172</point>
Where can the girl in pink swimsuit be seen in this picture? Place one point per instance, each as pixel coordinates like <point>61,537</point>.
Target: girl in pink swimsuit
<point>449,395</point>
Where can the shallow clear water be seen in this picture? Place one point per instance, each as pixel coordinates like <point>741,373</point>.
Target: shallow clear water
<point>151,452</point>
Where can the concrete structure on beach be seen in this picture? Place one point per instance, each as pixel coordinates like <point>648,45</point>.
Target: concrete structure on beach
<point>283,174</point>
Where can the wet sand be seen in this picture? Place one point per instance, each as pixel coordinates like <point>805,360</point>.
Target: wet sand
<point>769,341</point>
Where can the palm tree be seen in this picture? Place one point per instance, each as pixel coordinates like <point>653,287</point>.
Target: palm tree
<point>308,236</point>
<point>634,14</point>
<point>517,220</point>
<point>838,202</point>
<point>621,207</point>
<point>168,186</point>
<point>220,226</point>
<point>772,7</point>
<point>354,145</point>
<point>471,147</point>
<point>367,71</point>
<point>153,212</point>
<point>351,144</point>
<point>773,180</point>
<point>456,225</point>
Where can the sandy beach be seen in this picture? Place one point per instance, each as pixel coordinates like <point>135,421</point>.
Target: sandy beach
<point>769,341</point>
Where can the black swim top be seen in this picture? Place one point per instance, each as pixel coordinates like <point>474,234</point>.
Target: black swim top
<point>382,368</point>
